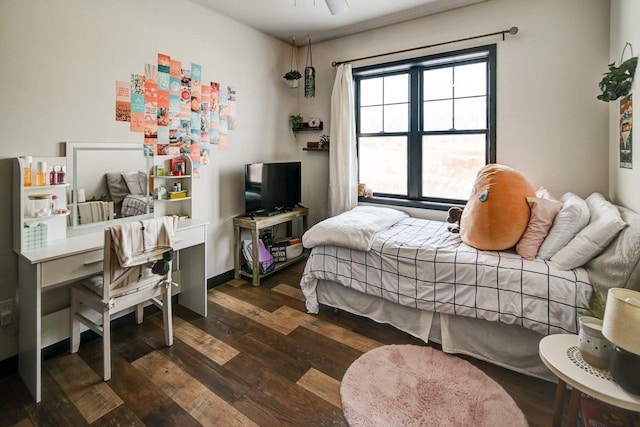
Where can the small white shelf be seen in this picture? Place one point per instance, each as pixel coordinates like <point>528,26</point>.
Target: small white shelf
<point>170,176</point>
<point>173,200</point>
<point>44,187</point>
<point>30,219</point>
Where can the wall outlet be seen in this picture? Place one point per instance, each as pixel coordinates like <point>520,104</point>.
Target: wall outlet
<point>6,308</point>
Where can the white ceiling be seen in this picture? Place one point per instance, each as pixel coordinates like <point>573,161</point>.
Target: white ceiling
<point>284,19</point>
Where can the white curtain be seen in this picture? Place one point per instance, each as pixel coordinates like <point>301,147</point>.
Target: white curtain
<point>343,165</point>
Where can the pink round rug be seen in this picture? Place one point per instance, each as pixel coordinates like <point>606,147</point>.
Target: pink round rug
<point>410,385</point>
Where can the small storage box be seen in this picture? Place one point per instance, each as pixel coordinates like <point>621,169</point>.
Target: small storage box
<point>177,194</point>
<point>35,237</point>
<point>294,251</point>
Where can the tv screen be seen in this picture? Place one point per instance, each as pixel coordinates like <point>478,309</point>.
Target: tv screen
<point>272,187</point>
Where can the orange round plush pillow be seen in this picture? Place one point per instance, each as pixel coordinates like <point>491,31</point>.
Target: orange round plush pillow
<point>497,212</point>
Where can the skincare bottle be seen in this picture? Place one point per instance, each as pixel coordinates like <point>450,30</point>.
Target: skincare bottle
<point>62,174</point>
<point>41,176</point>
<point>27,171</point>
<point>53,176</point>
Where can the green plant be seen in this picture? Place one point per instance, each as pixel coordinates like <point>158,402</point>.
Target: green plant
<point>296,122</point>
<point>324,140</point>
<point>617,82</point>
<point>596,308</point>
<point>293,75</point>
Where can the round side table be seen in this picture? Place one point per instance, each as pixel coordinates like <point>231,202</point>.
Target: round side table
<point>560,354</point>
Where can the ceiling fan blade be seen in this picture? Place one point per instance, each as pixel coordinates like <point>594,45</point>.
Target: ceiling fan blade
<point>337,6</point>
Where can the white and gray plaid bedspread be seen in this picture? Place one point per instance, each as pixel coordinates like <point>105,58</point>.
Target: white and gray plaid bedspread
<point>419,263</point>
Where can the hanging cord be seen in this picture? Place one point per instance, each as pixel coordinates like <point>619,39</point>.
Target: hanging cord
<point>309,75</point>
<point>293,55</point>
<point>624,49</point>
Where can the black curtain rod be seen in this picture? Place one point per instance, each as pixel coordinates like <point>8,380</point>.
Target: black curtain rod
<point>512,31</point>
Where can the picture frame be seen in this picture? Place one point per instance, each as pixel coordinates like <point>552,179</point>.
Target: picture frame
<point>179,166</point>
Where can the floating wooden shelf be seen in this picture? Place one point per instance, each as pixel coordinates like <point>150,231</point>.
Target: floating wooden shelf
<point>306,128</point>
<point>326,150</point>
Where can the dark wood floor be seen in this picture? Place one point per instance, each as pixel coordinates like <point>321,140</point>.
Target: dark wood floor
<point>257,359</point>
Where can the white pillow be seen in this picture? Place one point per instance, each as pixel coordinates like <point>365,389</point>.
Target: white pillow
<point>573,217</point>
<point>604,226</point>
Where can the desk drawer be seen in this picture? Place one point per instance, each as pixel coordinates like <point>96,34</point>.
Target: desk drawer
<point>71,267</point>
<point>188,237</point>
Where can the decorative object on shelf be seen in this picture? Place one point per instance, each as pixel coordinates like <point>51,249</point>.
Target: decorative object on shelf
<point>620,326</point>
<point>617,81</point>
<point>324,141</point>
<point>314,122</point>
<point>296,121</point>
<point>309,75</point>
<point>594,348</point>
<point>178,166</point>
<point>293,75</point>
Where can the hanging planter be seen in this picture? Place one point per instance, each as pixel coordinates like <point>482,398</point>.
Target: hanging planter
<point>293,75</point>
<point>617,82</point>
<point>309,75</point>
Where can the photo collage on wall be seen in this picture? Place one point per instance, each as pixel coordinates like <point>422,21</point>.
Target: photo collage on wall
<point>176,112</point>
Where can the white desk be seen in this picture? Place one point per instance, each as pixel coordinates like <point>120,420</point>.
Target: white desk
<point>560,354</point>
<point>65,261</point>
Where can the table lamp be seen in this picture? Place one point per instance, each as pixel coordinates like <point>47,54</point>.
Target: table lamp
<point>621,326</point>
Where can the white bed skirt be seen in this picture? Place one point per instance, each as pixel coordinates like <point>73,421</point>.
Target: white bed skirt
<point>508,346</point>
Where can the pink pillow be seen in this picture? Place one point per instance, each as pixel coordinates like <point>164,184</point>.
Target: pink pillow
<point>543,212</point>
<point>543,193</point>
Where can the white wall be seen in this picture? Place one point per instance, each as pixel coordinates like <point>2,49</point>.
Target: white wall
<point>60,62</point>
<point>623,184</point>
<point>550,125</point>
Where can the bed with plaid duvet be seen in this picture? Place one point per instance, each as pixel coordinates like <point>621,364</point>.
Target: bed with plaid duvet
<point>419,263</point>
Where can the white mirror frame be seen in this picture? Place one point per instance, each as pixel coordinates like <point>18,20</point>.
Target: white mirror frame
<point>72,150</point>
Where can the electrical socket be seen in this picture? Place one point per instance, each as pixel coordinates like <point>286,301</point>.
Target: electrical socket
<point>6,307</point>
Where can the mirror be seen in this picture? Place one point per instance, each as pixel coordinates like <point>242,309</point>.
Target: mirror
<point>108,181</point>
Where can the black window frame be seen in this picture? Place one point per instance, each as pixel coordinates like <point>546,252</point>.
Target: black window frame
<point>414,67</point>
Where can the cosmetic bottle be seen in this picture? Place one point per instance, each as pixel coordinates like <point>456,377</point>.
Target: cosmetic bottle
<point>62,174</point>
<point>53,175</point>
<point>27,171</point>
<point>41,175</point>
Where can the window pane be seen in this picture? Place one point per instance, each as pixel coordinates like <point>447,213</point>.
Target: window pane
<point>396,89</point>
<point>438,115</point>
<point>371,91</point>
<point>471,113</point>
<point>471,80</point>
<point>450,164</point>
<point>396,118</point>
<point>383,164</point>
<point>371,119</point>
<point>438,84</point>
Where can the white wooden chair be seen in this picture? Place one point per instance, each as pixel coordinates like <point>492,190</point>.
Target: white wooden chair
<point>117,289</point>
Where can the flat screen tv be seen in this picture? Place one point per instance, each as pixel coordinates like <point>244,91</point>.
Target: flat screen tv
<point>270,188</point>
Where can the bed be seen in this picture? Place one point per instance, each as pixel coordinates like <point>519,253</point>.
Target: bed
<point>419,277</point>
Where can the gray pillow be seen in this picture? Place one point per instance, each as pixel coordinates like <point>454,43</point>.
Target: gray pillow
<point>136,182</point>
<point>116,186</point>
<point>618,265</point>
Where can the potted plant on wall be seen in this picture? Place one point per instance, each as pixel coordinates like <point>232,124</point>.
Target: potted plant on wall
<point>296,122</point>
<point>293,75</point>
<point>292,78</point>
<point>617,81</point>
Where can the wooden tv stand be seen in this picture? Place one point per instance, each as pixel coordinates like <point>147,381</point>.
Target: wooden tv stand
<point>255,224</point>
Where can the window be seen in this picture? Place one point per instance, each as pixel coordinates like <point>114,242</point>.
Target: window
<point>426,126</point>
